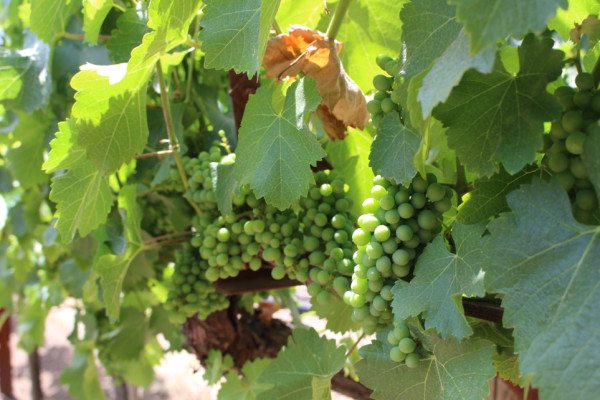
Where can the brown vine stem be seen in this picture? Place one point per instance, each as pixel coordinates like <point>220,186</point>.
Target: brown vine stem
<point>157,239</point>
<point>351,349</point>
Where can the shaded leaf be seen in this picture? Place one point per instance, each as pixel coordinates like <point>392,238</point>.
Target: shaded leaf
<point>246,387</point>
<point>94,13</point>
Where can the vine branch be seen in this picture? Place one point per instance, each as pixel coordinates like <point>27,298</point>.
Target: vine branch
<point>336,20</point>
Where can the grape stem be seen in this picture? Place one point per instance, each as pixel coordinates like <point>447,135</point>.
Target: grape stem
<point>173,143</point>
<point>81,37</point>
<point>336,20</point>
<point>351,349</point>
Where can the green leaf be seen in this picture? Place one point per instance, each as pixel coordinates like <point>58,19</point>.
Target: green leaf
<point>455,371</point>
<point>577,11</point>
<point>545,264</point>
<point>25,80</point>
<point>25,161</point>
<point>337,314</point>
<point>441,279</point>
<point>64,153</point>
<point>126,340</point>
<point>246,387</point>
<point>94,13</point>
<point>498,118</point>
<point>49,18</point>
<point>394,150</point>
<point>217,364</point>
<point>113,268</point>
<point>131,27</point>
<point>488,197</point>
<point>303,369</point>
<point>83,200</point>
<point>350,161</point>
<point>276,148</point>
<point>225,185</point>
<point>489,21</point>
<point>448,70</point>
<point>591,158</point>
<point>82,376</point>
<point>430,27</point>
<point>235,33</point>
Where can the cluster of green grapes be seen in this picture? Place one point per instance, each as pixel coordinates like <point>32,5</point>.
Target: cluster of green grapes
<point>327,228</point>
<point>387,96</point>
<point>200,178</point>
<point>190,291</point>
<point>565,144</point>
<point>396,224</point>
<point>404,345</point>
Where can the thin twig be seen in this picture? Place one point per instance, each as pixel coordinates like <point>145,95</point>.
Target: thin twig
<point>338,17</point>
<point>158,154</point>
<point>349,352</point>
<point>157,239</point>
<point>81,37</point>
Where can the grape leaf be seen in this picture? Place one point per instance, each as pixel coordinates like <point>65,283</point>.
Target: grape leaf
<point>489,21</point>
<point>225,185</point>
<point>235,33</point>
<point>488,197</point>
<point>350,160</point>
<point>591,158</point>
<point>82,376</point>
<point>83,200</point>
<point>64,153</point>
<point>449,68</point>
<point>49,18</point>
<point>498,117</point>
<point>113,268</point>
<point>577,11</point>
<point>545,264</point>
<point>303,369</point>
<point>131,27</point>
<point>94,13</point>
<point>337,314</point>
<point>430,27</point>
<point>26,160</point>
<point>25,80</point>
<point>394,150</point>
<point>455,371</point>
<point>440,280</point>
<point>245,387</point>
<point>276,148</point>
<point>126,340</point>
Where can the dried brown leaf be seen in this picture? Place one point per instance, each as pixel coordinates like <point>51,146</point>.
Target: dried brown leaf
<point>303,50</point>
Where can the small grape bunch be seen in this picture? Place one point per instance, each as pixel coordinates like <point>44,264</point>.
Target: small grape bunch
<point>200,178</point>
<point>327,229</point>
<point>404,345</point>
<point>190,292</point>
<point>387,96</point>
<point>565,145</point>
<point>396,224</point>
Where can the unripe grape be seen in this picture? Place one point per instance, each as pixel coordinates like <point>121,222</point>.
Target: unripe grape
<point>586,200</point>
<point>407,345</point>
<point>575,142</point>
<point>396,355</point>
<point>374,106</point>
<point>412,360</point>
<point>406,210</point>
<point>558,162</point>
<point>382,59</point>
<point>381,233</point>
<point>584,81</point>
<point>577,168</point>
<point>572,121</point>
<point>387,105</point>
<point>382,82</point>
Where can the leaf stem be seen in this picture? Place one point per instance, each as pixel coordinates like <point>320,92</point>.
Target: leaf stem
<point>158,154</point>
<point>289,303</point>
<point>277,28</point>
<point>351,349</point>
<point>336,20</point>
<point>81,37</point>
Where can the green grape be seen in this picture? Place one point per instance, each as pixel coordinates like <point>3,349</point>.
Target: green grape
<point>566,179</point>
<point>584,81</point>
<point>572,121</point>
<point>392,339</point>
<point>360,237</point>
<point>406,210</point>
<point>404,233</point>
<point>558,162</point>
<point>382,60</point>
<point>387,105</point>
<point>557,132</point>
<point>397,355</point>
<point>586,200</point>
<point>427,219</point>
<point>381,233</point>
<point>278,272</point>
<point>407,345</point>
<point>577,168</point>
<point>374,106</point>
<point>412,360</point>
<point>564,94</point>
<point>595,103</point>
<point>575,142</point>
<point>435,192</point>
<point>582,100</point>
<point>382,82</point>
<point>392,67</point>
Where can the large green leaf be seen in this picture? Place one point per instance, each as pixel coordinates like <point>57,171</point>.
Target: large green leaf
<point>82,375</point>
<point>488,197</point>
<point>489,21</point>
<point>448,70</point>
<point>454,371</point>
<point>83,200</point>
<point>337,314</point>
<point>441,278</point>
<point>49,18</point>
<point>430,27</point>
<point>497,117</point>
<point>25,80</point>
<point>394,150</point>
<point>94,13</point>
<point>246,387</point>
<point>235,33</point>
<point>276,149</point>
<point>545,264</point>
<point>131,26</point>
<point>303,369</point>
